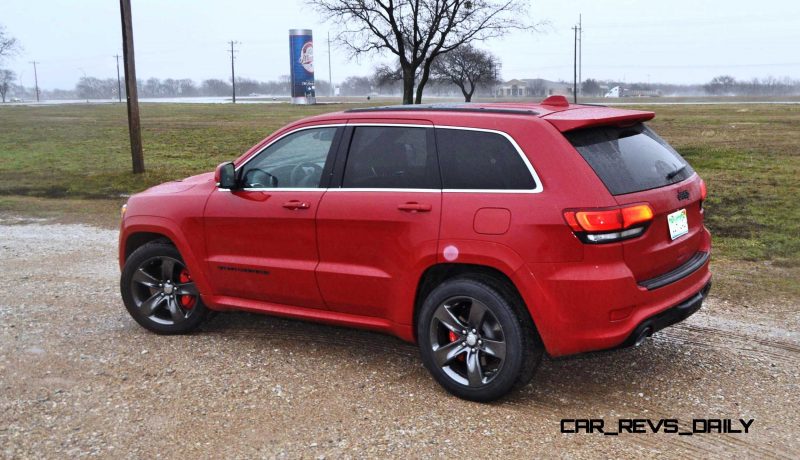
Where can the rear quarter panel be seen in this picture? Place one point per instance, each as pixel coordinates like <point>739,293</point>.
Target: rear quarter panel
<point>537,238</point>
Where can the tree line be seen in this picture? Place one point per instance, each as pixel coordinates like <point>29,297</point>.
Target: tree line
<point>106,88</point>
<point>446,82</point>
<point>723,85</point>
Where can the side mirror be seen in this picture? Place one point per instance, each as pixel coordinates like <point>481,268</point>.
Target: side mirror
<point>225,176</point>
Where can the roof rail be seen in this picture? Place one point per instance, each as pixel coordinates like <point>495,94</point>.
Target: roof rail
<point>443,108</point>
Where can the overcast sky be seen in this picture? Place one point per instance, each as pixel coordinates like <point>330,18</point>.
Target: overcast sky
<point>681,41</point>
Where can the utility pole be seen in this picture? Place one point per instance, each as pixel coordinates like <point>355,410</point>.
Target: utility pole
<point>119,84</point>
<point>496,69</point>
<point>131,93</point>
<point>330,78</point>
<point>36,79</point>
<point>580,53</point>
<point>233,73</point>
<point>575,67</point>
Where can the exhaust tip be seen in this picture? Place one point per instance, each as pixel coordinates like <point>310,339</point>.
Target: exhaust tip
<point>646,332</point>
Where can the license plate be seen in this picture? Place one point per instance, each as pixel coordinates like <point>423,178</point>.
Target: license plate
<point>678,224</point>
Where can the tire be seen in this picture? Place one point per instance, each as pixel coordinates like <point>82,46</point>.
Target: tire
<point>500,355</point>
<point>158,291</point>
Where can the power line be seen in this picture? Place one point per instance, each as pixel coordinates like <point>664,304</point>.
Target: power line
<point>119,83</point>
<point>36,79</point>
<point>233,72</point>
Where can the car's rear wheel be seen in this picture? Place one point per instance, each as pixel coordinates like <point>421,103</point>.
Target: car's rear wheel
<point>475,341</point>
<point>159,292</point>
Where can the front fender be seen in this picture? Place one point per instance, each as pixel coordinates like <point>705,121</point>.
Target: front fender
<point>171,230</point>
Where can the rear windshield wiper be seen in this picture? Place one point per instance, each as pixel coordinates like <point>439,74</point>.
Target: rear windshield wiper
<point>676,172</point>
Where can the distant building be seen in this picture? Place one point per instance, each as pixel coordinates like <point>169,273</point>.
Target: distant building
<point>531,87</point>
<point>619,91</point>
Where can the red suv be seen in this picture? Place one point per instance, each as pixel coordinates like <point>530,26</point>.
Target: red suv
<point>486,233</point>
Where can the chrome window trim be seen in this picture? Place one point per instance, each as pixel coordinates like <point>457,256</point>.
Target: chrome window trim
<point>409,190</point>
<point>538,189</point>
<point>277,189</point>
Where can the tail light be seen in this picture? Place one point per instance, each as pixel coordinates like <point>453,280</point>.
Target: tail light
<point>703,193</point>
<point>609,225</point>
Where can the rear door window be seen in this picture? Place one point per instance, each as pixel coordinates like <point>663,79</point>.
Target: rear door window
<point>479,160</point>
<point>630,159</point>
<point>391,157</point>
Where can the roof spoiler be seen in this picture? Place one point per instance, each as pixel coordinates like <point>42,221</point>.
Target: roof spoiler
<point>589,116</point>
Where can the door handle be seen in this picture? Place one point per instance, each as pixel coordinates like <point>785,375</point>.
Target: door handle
<point>295,204</point>
<point>414,207</point>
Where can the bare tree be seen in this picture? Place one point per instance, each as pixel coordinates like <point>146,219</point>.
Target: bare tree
<point>215,87</point>
<point>591,88</point>
<point>722,84</point>
<point>387,78</point>
<point>6,79</point>
<point>8,45</point>
<point>356,86</point>
<point>466,67</point>
<point>419,31</point>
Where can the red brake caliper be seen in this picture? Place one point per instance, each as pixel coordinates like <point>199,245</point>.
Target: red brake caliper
<point>186,301</point>
<point>454,338</point>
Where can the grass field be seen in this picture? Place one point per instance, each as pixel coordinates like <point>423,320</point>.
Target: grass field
<point>748,155</point>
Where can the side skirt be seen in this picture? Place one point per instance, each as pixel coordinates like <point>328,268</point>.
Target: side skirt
<point>224,303</point>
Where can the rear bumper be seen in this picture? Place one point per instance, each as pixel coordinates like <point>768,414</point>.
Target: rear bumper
<point>667,318</point>
<point>599,305</point>
<point>698,260</point>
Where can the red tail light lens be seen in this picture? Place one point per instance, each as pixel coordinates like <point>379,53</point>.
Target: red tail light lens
<point>609,225</point>
<point>599,221</point>
<point>635,215</point>
<point>703,190</point>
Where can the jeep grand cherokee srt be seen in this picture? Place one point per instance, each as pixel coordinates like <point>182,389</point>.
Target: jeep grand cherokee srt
<point>488,234</point>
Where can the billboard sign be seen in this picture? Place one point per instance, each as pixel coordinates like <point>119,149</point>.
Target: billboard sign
<point>301,52</point>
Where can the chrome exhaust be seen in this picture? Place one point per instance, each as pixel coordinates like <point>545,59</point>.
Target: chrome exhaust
<point>646,332</point>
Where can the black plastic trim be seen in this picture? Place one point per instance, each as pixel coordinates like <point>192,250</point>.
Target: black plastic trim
<point>667,317</point>
<point>690,266</point>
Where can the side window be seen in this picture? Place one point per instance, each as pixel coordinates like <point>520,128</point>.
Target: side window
<point>480,160</point>
<point>295,161</point>
<point>391,157</point>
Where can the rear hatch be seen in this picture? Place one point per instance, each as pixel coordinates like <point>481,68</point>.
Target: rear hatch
<point>638,167</point>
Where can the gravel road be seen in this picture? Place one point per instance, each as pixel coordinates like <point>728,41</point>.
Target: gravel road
<point>79,377</point>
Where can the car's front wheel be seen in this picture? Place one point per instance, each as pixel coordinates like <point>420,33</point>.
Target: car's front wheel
<point>474,341</point>
<point>159,292</point>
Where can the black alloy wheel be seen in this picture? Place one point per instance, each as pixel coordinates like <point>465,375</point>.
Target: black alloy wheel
<point>159,291</point>
<point>476,339</point>
<point>467,341</point>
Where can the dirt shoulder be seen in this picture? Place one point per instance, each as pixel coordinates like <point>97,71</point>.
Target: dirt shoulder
<point>79,377</point>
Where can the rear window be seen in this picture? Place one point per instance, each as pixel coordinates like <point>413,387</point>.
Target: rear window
<point>630,159</point>
<point>482,160</point>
